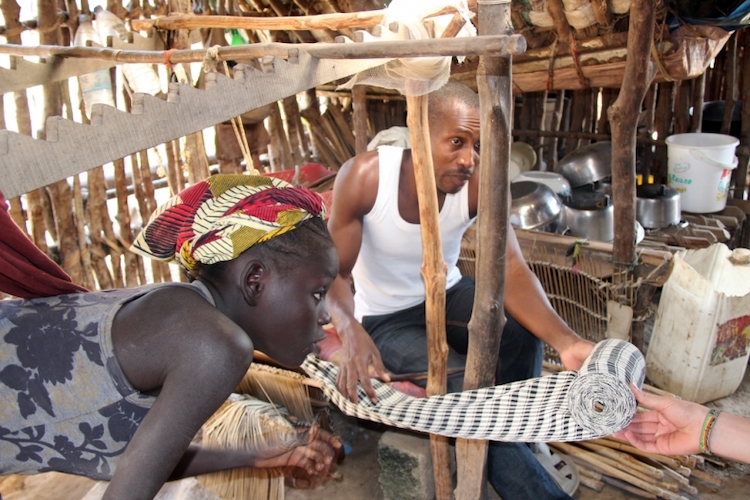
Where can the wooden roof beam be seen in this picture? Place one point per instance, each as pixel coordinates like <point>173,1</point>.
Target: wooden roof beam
<point>389,49</point>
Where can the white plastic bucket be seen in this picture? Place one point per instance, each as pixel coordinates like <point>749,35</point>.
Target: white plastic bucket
<point>700,166</point>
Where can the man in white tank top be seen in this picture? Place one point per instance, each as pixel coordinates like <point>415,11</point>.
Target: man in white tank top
<point>375,227</point>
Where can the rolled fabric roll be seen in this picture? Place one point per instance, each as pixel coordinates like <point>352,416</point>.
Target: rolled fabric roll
<point>567,406</point>
<point>600,398</point>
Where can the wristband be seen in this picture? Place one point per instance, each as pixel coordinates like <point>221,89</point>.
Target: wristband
<point>708,424</point>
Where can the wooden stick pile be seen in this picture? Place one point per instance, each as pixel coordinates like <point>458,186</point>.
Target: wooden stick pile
<point>646,475</point>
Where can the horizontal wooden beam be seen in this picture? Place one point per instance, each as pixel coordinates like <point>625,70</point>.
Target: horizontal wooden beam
<point>337,21</point>
<point>333,22</point>
<point>440,47</point>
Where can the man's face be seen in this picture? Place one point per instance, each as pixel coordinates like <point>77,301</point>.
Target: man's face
<point>455,145</point>
<point>294,309</point>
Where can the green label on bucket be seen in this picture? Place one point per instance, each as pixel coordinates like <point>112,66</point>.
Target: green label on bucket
<point>679,180</point>
<point>681,167</point>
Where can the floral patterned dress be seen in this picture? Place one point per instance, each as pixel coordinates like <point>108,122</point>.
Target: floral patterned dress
<point>65,404</point>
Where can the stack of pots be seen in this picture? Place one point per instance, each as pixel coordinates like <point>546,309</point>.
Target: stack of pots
<point>588,211</point>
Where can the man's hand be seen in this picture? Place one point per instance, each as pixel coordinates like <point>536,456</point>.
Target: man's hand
<point>359,353</point>
<point>575,354</point>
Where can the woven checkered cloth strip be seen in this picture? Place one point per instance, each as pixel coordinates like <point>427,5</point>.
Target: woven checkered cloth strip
<point>594,402</point>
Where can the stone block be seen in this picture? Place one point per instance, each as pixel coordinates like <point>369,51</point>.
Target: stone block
<point>406,466</point>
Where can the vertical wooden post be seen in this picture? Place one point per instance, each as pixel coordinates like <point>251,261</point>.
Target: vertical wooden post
<point>123,220</point>
<point>555,123</point>
<point>540,110</point>
<point>623,117</point>
<point>648,156</point>
<point>434,272</point>
<point>11,11</point>
<point>740,173</point>
<point>60,193</point>
<point>359,117</point>
<point>494,81</point>
<point>663,128</point>
<point>279,152</point>
<point>699,88</point>
<point>297,138</point>
<point>730,95</point>
<point>682,107</point>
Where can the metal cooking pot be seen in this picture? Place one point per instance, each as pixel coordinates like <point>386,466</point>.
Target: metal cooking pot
<point>533,206</point>
<point>587,165</point>
<point>588,214</point>
<point>657,206</point>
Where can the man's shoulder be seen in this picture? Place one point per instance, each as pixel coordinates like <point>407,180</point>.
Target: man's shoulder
<point>361,164</point>
<point>356,185</point>
<point>359,171</point>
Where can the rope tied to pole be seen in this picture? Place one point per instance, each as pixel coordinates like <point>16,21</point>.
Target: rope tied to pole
<point>211,59</point>
<point>167,56</point>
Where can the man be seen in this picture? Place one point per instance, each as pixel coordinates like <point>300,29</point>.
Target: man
<point>375,226</point>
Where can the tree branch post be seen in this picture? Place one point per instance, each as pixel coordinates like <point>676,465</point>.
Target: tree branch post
<point>623,117</point>
<point>494,82</point>
<point>434,271</point>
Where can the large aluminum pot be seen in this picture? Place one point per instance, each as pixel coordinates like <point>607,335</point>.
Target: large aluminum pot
<point>555,181</point>
<point>657,206</point>
<point>533,206</point>
<point>587,165</point>
<point>588,214</point>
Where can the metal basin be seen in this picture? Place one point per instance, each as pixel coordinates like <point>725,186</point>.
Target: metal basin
<point>533,206</point>
<point>588,214</point>
<point>555,181</point>
<point>657,206</point>
<point>587,165</point>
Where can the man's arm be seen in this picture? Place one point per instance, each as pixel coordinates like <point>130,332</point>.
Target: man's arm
<point>526,301</point>
<point>354,194</point>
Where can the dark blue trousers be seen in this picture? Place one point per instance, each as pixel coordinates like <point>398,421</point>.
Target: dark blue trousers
<point>401,338</point>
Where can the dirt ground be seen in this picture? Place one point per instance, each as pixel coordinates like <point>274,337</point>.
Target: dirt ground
<point>360,471</point>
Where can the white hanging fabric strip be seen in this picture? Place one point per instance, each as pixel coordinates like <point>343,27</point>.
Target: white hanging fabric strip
<point>594,402</point>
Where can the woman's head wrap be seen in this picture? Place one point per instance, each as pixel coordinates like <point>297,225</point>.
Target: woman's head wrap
<point>219,218</point>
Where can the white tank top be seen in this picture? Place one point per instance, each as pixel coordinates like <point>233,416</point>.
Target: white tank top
<point>387,273</point>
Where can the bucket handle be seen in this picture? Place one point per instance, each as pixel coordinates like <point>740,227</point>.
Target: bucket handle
<point>700,156</point>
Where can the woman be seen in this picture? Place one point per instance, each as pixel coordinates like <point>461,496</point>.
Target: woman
<point>115,384</point>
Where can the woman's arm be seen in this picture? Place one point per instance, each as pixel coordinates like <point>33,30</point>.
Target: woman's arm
<point>313,451</point>
<point>175,340</point>
<point>674,427</point>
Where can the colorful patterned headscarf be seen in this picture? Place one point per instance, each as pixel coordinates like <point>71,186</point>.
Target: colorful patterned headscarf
<point>217,219</point>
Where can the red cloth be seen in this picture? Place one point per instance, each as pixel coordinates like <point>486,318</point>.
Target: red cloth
<point>25,271</point>
<point>308,173</point>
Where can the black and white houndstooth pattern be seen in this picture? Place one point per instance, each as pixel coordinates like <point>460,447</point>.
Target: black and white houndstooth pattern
<point>594,402</point>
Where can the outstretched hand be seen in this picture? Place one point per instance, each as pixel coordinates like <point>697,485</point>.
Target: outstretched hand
<point>672,427</point>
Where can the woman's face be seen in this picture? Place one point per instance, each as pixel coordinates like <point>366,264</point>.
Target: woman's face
<point>292,309</point>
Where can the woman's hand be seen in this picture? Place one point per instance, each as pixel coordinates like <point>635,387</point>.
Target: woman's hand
<point>672,427</point>
<point>314,454</point>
